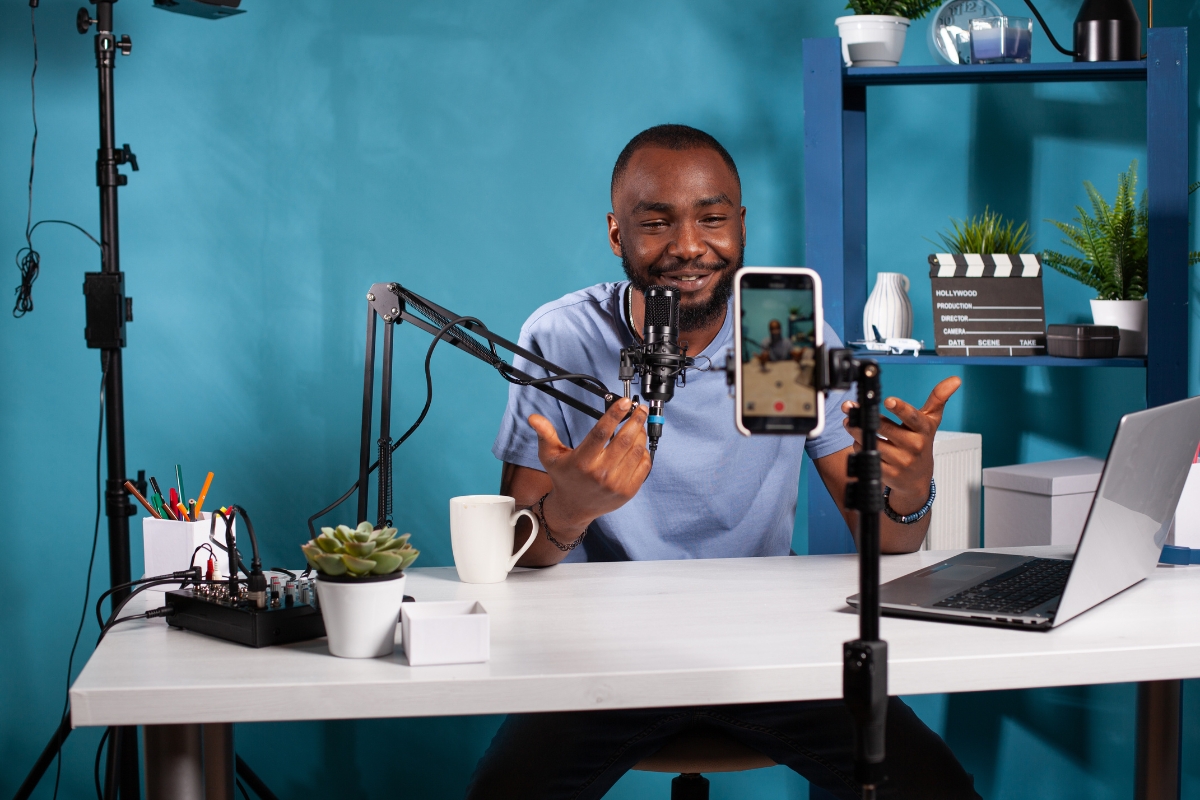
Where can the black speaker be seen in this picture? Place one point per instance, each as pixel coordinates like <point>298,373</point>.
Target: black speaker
<point>1108,30</point>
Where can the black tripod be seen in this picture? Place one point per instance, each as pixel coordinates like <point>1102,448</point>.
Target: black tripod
<point>864,660</point>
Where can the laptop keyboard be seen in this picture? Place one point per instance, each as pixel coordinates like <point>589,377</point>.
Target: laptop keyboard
<point>1016,591</point>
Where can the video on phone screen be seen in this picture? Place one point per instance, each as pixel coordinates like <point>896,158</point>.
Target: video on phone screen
<point>778,353</point>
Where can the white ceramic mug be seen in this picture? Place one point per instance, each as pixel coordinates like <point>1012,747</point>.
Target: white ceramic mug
<point>483,528</point>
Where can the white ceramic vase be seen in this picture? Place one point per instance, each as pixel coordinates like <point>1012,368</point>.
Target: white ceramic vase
<point>872,40</point>
<point>1130,317</point>
<point>888,308</point>
<point>361,614</point>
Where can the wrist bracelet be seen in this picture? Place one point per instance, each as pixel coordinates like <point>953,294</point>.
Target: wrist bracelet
<point>541,515</point>
<point>909,519</point>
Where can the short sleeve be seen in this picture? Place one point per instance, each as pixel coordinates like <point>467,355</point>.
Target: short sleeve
<point>834,437</point>
<point>516,443</point>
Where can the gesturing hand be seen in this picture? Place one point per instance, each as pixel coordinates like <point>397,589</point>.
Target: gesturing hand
<point>602,473</point>
<point>907,453</point>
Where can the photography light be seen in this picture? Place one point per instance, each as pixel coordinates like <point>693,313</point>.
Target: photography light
<point>207,9</point>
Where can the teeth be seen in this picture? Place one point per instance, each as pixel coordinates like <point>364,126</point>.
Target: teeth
<point>689,278</point>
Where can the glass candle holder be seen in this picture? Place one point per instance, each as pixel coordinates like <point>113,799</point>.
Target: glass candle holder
<point>1001,40</point>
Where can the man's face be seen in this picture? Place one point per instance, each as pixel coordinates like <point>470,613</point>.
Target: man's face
<point>776,329</point>
<point>678,221</point>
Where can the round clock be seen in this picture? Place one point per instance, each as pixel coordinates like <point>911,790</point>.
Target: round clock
<point>954,18</point>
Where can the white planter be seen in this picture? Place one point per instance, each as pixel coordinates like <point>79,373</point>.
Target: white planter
<point>1130,317</point>
<point>888,308</point>
<point>872,40</point>
<point>361,614</point>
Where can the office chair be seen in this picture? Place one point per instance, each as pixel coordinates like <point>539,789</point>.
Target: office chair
<point>696,751</point>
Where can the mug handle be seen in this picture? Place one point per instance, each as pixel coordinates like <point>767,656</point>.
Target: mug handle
<point>532,535</point>
<point>904,278</point>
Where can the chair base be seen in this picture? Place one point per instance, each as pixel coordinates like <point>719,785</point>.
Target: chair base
<point>689,786</point>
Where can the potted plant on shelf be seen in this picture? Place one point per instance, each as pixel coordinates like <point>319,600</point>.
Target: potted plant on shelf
<point>360,586</point>
<point>874,35</point>
<point>1113,243</point>
<point>988,232</point>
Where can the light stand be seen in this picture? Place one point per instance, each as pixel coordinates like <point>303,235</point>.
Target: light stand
<point>391,303</point>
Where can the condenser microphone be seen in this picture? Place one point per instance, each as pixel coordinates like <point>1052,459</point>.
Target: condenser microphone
<point>663,360</point>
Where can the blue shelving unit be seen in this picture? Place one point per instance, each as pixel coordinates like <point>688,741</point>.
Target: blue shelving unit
<point>835,194</point>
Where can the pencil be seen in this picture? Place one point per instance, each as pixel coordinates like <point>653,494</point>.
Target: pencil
<point>203,494</point>
<point>138,496</point>
<point>182,512</point>
<point>179,481</point>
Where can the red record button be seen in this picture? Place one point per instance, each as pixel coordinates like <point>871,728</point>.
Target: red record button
<point>779,405</point>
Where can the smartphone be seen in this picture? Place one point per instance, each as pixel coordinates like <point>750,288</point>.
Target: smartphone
<point>777,331</point>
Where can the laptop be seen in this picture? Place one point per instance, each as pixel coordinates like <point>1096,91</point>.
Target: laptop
<point>1122,539</point>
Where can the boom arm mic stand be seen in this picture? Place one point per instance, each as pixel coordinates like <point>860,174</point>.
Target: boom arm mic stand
<point>864,660</point>
<point>392,302</point>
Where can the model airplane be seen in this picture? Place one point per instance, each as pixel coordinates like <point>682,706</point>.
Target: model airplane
<point>891,344</point>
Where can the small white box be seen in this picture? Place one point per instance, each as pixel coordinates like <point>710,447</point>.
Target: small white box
<point>1036,504</point>
<point>168,545</point>
<point>450,632</point>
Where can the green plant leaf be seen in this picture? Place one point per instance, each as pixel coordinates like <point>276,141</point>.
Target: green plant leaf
<point>330,544</point>
<point>311,554</point>
<point>360,549</point>
<point>396,544</point>
<point>357,566</point>
<point>409,557</point>
<point>343,532</point>
<point>364,527</point>
<point>331,564</point>
<point>386,563</point>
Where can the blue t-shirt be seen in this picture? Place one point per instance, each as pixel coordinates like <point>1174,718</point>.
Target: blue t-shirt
<point>713,493</point>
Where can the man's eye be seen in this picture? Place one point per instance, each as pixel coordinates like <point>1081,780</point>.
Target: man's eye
<point>713,219</point>
<point>655,224</point>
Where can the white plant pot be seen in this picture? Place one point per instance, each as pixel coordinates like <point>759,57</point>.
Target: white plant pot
<point>888,308</point>
<point>1130,317</point>
<point>872,40</point>
<point>361,614</point>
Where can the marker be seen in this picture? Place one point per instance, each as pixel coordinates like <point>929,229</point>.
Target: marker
<point>166,509</point>
<point>138,496</point>
<point>183,515</point>
<point>179,481</point>
<point>192,511</point>
<point>174,498</point>
<point>203,493</point>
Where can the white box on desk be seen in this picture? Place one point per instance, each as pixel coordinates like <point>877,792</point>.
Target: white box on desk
<point>448,632</point>
<point>168,545</point>
<point>1042,503</point>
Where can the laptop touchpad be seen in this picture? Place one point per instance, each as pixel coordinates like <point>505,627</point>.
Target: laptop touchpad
<point>960,572</point>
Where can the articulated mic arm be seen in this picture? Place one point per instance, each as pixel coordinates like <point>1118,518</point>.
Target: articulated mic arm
<point>395,304</point>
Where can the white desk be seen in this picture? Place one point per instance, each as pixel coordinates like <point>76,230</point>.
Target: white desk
<point>627,635</point>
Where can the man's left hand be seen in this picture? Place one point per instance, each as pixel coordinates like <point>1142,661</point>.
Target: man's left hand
<point>906,451</point>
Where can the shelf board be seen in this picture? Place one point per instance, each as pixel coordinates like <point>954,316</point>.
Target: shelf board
<point>930,359</point>
<point>1059,72</point>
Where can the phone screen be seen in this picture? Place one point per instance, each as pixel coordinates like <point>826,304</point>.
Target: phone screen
<point>780,321</point>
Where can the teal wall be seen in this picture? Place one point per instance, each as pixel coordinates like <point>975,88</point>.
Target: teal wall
<point>294,155</point>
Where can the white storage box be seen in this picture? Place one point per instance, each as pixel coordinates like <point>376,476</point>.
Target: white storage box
<point>1042,503</point>
<point>167,545</point>
<point>451,632</point>
<point>957,466</point>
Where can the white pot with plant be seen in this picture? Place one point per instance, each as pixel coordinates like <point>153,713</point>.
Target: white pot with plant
<point>360,586</point>
<point>1113,243</point>
<point>874,35</point>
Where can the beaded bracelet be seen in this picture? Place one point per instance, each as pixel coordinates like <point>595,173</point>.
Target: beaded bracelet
<point>566,548</point>
<point>909,519</point>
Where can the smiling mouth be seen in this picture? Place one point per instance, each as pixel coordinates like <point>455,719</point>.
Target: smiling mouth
<point>687,281</point>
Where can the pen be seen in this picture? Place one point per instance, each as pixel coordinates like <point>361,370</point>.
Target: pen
<point>179,481</point>
<point>195,515</point>
<point>138,496</point>
<point>174,499</point>
<point>159,493</point>
<point>166,509</point>
<point>203,492</point>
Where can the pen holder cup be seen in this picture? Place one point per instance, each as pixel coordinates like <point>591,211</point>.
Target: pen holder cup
<point>168,546</point>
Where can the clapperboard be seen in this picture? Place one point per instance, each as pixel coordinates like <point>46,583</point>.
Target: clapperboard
<point>988,305</point>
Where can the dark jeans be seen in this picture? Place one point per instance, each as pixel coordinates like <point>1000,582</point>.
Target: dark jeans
<point>581,754</point>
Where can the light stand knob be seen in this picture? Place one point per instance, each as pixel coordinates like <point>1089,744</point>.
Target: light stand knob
<point>83,21</point>
<point>125,45</point>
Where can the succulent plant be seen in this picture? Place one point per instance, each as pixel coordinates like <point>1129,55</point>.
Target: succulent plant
<point>360,551</point>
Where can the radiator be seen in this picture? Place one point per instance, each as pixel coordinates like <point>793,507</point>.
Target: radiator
<point>958,471</point>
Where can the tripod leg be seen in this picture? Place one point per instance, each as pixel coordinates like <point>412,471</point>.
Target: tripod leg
<point>45,759</point>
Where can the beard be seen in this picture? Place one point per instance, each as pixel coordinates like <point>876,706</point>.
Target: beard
<point>693,316</point>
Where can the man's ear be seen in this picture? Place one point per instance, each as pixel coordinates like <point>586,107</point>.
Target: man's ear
<point>614,236</point>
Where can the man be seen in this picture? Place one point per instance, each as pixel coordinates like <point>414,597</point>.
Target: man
<point>677,220</point>
<point>775,347</point>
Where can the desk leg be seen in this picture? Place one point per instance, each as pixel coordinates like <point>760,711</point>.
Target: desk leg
<point>218,761</point>
<point>1158,740</point>
<point>174,762</point>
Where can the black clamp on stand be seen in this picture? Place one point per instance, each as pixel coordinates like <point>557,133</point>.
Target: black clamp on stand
<point>864,660</point>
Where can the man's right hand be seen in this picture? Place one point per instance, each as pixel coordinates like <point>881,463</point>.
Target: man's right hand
<point>600,475</point>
